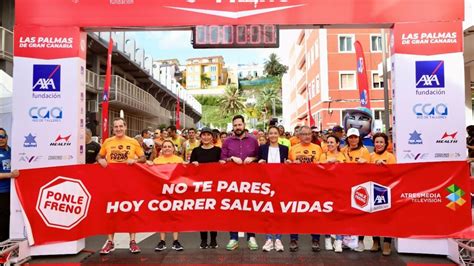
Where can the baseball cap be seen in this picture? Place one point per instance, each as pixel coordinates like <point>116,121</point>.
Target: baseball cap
<point>353,132</point>
<point>337,129</point>
<point>206,129</point>
<point>314,129</point>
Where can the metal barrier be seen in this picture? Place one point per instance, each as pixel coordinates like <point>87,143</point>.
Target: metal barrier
<point>14,252</point>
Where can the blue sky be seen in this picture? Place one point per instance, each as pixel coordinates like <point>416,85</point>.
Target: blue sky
<point>177,44</point>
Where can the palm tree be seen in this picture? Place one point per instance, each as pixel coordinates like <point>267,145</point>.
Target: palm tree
<point>273,67</point>
<point>232,101</point>
<point>267,99</point>
<point>206,81</point>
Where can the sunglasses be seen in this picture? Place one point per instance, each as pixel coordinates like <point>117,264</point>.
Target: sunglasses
<point>3,136</point>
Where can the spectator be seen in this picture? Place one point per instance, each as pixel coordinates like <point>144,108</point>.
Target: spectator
<point>92,148</point>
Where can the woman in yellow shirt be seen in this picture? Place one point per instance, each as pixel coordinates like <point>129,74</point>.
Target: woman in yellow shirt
<point>168,155</point>
<point>333,155</point>
<point>382,156</point>
<point>355,152</point>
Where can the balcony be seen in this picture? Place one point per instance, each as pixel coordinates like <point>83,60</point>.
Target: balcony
<point>6,44</point>
<point>126,95</point>
<point>91,81</point>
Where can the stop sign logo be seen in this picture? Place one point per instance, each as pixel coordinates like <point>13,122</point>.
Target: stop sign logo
<point>361,196</point>
<point>63,203</point>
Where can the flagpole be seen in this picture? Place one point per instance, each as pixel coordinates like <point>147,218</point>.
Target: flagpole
<point>105,97</point>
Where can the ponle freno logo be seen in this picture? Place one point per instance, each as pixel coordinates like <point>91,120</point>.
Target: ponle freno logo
<point>370,197</point>
<point>255,7</point>
<point>63,203</point>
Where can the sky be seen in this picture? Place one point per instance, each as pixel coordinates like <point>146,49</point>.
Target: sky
<point>177,44</point>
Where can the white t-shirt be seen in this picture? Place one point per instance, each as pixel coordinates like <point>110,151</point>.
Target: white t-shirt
<point>273,155</point>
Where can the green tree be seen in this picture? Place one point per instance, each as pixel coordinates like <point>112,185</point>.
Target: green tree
<point>205,81</point>
<point>273,67</point>
<point>232,102</point>
<point>267,98</point>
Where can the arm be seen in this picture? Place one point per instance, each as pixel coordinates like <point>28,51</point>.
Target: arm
<point>12,174</point>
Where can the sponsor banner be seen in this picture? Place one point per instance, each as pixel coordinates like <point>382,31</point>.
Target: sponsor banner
<point>404,200</point>
<point>143,13</point>
<point>48,112</point>
<point>427,93</point>
<point>49,43</point>
<point>427,38</point>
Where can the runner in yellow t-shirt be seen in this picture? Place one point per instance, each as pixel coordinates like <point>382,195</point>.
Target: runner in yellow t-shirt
<point>120,149</point>
<point>355,152</point>
<point>190,144</point>
<point>382,156</point>
<point>332,155</point>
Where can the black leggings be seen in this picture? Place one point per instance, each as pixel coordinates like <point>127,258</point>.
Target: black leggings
<point>5,216</point>
<point>213,236</point>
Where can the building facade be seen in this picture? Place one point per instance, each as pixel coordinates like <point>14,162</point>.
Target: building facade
<point>322,76</point>
<point>210,67</point>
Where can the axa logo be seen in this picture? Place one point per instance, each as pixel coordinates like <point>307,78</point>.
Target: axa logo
<point>430,74</point>
<point>61,141</point>
<point>273,6</point>
<point>448,138</point>
<point>47,78</point>
<point>370,197</point>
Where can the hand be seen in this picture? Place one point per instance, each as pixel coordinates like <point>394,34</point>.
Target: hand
<point>262,161</point>
<point>379,162</point>
<point>248,160</point>
<point>361,160</point>
<point>15,173</point>
<point>222,161</point>
<point>149,163</point>
<point>332,160</point>
<point>297,161</point>
<point>102,162</point>
<point>288,161</point>
<point>131,161</point>
<point>195,163</point>
<point>236,160</point>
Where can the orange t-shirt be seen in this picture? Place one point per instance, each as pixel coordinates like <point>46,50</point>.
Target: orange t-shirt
<point>387,157</point>
<point>294,140</point>
<point>355,155</point>
<point>305,153</point>
<point>119,150</point>
<point>331,155</point>
<point>165,160</point>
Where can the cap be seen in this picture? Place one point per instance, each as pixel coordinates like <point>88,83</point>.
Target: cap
<point>314,129</point>
<point>206,129</point>
<point>353,132</point>
<point>337,129</point>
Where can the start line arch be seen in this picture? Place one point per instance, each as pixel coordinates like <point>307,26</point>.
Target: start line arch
<point>50,50</point>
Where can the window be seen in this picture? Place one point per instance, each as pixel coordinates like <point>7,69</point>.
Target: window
<point>347,81</point>
<point>377,81</point>
<point>375,43</point>
<point>378,114</point>
<point>346,43</point>
<point>213,69</point>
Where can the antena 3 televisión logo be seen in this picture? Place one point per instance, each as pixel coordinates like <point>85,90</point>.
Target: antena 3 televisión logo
<point>46,81</point>
<point>370,197</point>
<point>63,203</point>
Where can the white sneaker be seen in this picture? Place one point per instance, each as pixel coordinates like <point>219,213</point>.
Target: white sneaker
<point>279,246</point>
<point>268,246</point>
<point>338,246</point>
<point>328,243</point>
<point>252,243</point>
<point>360,247</point>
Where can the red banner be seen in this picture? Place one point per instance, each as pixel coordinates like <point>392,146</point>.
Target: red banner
<point>105,97</point>
<point>362,82</point>
<point>143,13</point>
<point>428,38</point>
<point>405,200</point>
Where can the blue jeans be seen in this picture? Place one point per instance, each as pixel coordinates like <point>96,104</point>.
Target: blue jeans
<point>277,236</point>
<point>235,235</point>
<point>296,237</point>
<point>338,237</point>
